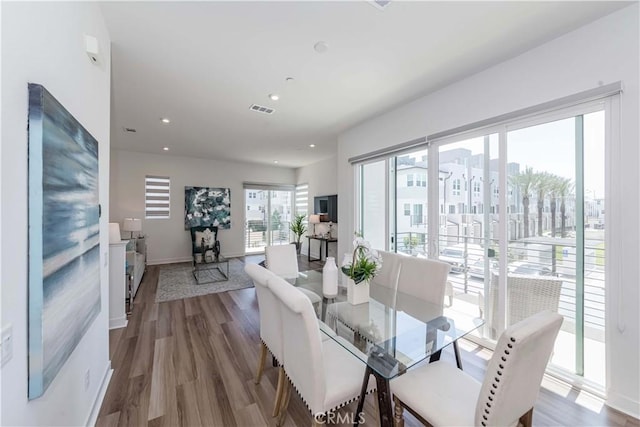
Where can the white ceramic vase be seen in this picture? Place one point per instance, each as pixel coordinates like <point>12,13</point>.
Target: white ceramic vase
<point>330,278</point>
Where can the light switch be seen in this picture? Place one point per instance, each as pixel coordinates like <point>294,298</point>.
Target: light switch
<point>7,343</point>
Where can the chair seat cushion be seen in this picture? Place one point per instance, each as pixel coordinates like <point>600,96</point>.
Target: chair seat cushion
<point>440,392</point>
<point>343,374</point>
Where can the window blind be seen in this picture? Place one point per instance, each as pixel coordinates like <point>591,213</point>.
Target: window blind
<point>157,199</point>
<point>302,199</point>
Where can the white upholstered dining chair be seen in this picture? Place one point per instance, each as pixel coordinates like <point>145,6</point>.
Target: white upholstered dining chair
<point>282,260</point>
<point>325,374</point>
<point>440,395</point>
<point>270,326</point>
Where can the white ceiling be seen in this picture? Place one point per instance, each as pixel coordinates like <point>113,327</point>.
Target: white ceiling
<point>202,64</point>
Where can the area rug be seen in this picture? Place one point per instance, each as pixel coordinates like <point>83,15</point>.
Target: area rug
<point>176,281</point>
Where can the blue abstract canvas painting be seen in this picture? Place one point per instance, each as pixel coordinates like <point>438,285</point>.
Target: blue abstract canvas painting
<point>204,207</point>
<point>64,236</point>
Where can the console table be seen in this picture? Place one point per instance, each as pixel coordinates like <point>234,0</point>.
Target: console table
<point>325,240</point>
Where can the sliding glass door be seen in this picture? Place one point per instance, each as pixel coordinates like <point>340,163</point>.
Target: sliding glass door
<point>267,218</point>
<point>518,212</point>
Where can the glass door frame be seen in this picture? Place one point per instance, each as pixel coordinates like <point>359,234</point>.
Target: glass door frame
<point>610,106</point>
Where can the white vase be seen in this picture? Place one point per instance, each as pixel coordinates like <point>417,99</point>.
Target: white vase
<point>357,294</point>
<point>330,278</point>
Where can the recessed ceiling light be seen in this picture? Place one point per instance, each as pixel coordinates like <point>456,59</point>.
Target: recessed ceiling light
<point>165,120</point>
<point>275,161</point>
<point>165,148</point>
<point>321,47</point>
<point>312,145</point>
<point>273,97</point>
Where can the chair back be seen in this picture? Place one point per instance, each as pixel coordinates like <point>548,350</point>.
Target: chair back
<point>515,371</point>
<point>269,309</point>
<point>303,360</point>
<point>423,278</point>
<point>526,296</point>
<point>282,260</point>
<point>388,274</point>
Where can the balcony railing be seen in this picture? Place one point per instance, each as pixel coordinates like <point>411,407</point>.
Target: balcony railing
<point>257,235</point>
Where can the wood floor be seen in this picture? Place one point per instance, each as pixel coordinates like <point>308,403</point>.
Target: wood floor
<point>191,362</point>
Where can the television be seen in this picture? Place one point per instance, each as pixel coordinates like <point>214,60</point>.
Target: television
<point>327,205</point>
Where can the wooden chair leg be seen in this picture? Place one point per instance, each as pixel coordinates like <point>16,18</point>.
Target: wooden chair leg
<point>398,413</point>
<point>261,362</point>
<point>316,423</point>
<point>527,419</point>
<point>285,404</point>
<point>279,392</point>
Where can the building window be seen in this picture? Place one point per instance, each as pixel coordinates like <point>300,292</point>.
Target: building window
<point>156,197</point>
<point>410,180</point>
<point>421,180</point>
<point>452,209</point>
<point>407,209</point>
<point>476,189</point>
<point>456,187</point>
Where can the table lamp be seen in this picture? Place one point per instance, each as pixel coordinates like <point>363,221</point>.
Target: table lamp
<point>131,225</point>
<point>314,219</point>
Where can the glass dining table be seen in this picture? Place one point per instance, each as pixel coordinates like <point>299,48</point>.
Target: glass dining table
<point>390,333</point>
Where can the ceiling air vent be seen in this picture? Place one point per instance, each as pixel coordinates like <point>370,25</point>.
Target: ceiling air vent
<point>380,4</point>
<point>130,130</point>
<point>261,109</point>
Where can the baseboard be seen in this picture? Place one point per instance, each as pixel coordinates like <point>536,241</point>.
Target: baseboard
<point>623,404</point>
<point>102,391</point>
<point>118,323</point>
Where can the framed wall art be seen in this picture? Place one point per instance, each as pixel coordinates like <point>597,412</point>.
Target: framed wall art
<point>64,236</point>
<point>204,206</point>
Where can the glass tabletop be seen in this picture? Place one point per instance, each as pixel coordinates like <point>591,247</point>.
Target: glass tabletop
<point>392,331</point>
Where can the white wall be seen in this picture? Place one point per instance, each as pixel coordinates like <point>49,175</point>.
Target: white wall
<point>167,240</point>
<point>43,43</point>
<point>322,178</point>
<point>602,52</point>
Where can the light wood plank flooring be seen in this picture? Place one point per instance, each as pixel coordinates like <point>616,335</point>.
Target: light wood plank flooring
<point>191,362</point>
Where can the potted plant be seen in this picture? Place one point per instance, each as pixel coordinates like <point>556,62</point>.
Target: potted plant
<point>365,264</point>
<point>298,228</point>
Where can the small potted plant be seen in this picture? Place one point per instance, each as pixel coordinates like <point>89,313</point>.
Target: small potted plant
<point>298,228</point>
<point>360,267</point>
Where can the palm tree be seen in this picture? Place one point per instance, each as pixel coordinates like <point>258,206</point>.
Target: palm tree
<point>524,181</point>
<point>565,188</point>
<point>555,183</point>
<point>542,187</point>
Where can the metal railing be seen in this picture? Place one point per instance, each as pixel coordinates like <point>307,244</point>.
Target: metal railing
<point>534,257</point>
<point>257,235</point>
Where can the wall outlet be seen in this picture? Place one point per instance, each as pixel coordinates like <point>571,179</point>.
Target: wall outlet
<point>87,379</point>
<point>6,344</point>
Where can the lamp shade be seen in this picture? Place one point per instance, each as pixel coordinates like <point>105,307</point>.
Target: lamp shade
<point>132,224</point>
<point>314,219</point>
<point>114,232</point>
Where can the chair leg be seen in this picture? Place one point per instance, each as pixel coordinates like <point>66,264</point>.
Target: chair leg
<point>261,361</point>
<point>315,422</point>
<point>279,390</point>
<point>398,413</point>
<point>285,403</point>
<point>456,351</point>
<point>527,419</point>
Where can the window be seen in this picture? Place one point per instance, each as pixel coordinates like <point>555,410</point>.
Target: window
<point>410,180</point>
<point>421,180</point>
<point>302,199</point>
<point>476,189</point>
<point>452,209</point>
<point>456,187</point>
<point>407,209</point>
<point>156,197</point>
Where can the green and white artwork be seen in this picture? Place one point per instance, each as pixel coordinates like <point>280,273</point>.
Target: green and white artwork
<point>205,206</point>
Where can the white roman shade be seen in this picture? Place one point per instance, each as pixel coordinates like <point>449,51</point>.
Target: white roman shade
<point>156,197</point>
